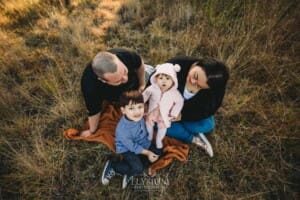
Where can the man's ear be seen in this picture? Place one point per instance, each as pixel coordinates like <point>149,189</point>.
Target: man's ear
<point>101,79</point>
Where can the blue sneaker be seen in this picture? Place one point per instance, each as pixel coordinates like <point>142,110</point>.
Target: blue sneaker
<point>126,180</point>
<point>108,173</point>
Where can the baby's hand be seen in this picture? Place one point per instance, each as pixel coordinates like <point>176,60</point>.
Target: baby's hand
<point>152,157</point>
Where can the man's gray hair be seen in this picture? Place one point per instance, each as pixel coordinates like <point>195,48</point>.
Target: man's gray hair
<point>104,62</point>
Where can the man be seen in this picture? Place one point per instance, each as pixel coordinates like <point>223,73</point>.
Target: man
<point>110,74</point>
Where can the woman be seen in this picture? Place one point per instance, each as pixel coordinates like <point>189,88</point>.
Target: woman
<point>202,83</point>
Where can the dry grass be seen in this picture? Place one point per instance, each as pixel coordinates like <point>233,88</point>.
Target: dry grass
<point>44,46</point>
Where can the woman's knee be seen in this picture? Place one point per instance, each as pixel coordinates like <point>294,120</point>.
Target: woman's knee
<point>210,124</point>
<point>202,126</point>
<point>178,131</point>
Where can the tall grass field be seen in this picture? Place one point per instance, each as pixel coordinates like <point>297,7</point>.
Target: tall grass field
<point>46,44</point>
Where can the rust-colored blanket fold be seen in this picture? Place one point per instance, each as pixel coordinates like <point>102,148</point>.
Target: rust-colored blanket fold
<point>106,134</point>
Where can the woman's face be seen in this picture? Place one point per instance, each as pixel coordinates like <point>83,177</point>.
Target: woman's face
<point>197,77</point>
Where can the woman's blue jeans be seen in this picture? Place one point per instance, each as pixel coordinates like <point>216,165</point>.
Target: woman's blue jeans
<point>186,130</point>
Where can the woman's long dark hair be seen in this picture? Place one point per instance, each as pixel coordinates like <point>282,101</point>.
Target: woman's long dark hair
<point>216,72</point>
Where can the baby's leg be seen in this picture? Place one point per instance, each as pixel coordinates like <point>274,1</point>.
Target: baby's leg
<point>150,131</point>
<point>161,132</point>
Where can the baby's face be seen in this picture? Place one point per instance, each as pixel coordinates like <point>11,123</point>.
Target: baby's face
<point>164,82</point>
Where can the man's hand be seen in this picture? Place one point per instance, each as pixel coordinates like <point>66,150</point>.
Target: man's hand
<point>93,124</point>
<point>141,76</point>
<point>142,88</point>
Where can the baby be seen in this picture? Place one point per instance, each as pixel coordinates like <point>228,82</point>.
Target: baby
<point>165,101</point>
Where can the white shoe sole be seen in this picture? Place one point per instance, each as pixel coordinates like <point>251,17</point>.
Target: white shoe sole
<point>124,183</point>
<point>104,180</point>
<point>209,149</point>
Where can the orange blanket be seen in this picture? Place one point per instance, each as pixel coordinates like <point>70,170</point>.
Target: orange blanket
<point>106,134</point>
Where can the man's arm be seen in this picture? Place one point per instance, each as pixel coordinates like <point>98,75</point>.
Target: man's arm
<point>141,76</point>
<point>93,124</point>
